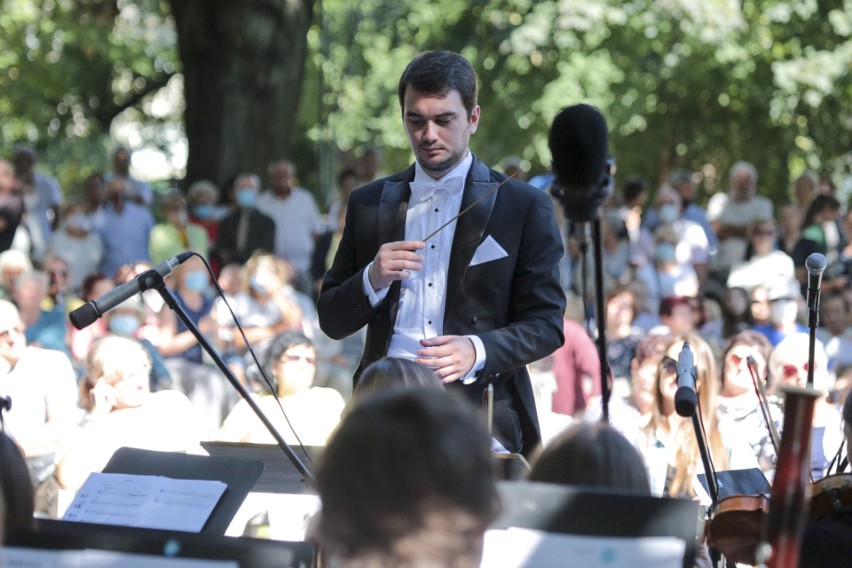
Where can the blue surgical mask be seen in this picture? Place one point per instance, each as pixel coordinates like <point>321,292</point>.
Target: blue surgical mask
<point>203,211</point>
<point>124,324</point>
<point>246,197</point>
<point>668,213</point>
<point>257,287</point>
<point>665,252</point>
<point>197,281</point>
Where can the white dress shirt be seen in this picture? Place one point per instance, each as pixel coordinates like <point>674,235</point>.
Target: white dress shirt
<point>423,294</point>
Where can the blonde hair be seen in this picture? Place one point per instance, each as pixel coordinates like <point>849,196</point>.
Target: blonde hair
<point>113,359</point>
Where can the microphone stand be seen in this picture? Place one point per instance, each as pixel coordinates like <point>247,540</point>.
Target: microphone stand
<point>606,391</point>
<point>813,323</point>
<point>154,280</point>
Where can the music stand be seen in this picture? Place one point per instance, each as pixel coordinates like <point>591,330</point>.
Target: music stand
<point>597,512</point>
<point>279,475</point>
<point>240,475</point>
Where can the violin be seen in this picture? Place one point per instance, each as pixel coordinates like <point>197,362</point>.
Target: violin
<point>737,526</point>
<point>831,493</point>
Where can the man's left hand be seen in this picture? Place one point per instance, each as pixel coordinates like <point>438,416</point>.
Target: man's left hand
<point>451,357</point>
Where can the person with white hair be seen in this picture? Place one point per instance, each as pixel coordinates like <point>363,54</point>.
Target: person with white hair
<point>13,264</point>
<point>123,412</point>
<point>788,366</point>
<point>732,213</point>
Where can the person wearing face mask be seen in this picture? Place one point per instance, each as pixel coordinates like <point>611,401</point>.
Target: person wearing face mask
<point>665,275</point>
<point>207,389</point>
<point>176,234</point>
<point>124,227</point>
<point>203,198</point>
<point>784,300</point>
<point>125,320</point>
<point>76,244</point>
<point>245,230</point>
<point>691,244</point>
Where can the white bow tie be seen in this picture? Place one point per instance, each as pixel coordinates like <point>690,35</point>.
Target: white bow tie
<point>423,190</point>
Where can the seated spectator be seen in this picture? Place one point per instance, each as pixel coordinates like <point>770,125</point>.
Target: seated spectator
<point>266,307</point>
<point>76,244</point>
<point>836,333</point>
<point>137,190</point>
<point>789,228</point>
<point>13,263</point>
<point>176,234</point>
<point>735,312</point>
<point>788,366</point>
<point>153,304</point>
<point>740,416</point>
<point>45,328</point>
<point>431,508</point>
<point>819,224</point>
<point>210,393</point>
<point>301,412</point>
<point>759,310</point>
<point>121,411</point>
<point>665,275</point>
<point>677,315</point>
<point>43,389</point>
<point>59,296</point>
<point>784,304</point>
<point>592,455</point>
<point>81,340</point>
<point>622,336</point>
<point>203,198</point>
<point>576,365</point>
<point>16,489</point>
<point>766,265</point>
<point>125,320</point>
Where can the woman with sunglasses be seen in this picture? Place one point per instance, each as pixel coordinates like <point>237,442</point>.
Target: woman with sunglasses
<point>740,415</point>
<point>668,441</point>
<point>301,412</point>
<point>788,365</point>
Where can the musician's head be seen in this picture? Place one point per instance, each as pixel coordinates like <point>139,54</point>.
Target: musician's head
<point>736,375</point>
<point>592,454</point>
<point>390,372</point>
<point>407,480</point>
<point>847,421</point>
<point>788,363</point>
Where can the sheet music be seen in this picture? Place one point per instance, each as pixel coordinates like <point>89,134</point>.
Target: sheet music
<point>522,548</point>
<point>14,557</point>
<point>145,501</point>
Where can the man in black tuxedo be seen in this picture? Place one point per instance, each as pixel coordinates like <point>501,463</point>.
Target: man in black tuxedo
<point>477,300</point>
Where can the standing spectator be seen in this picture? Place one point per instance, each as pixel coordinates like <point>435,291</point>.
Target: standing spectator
<point>11,206</point>
<point>805,188</point>
<point>836,334</point>
<point>347,181</point>
<point>297,220</point>
<point>76,244</point>
<point>137,190</point>
<point>176,234</point>
<point>94,193</point>
<point>42,198</point>
<point>124,227</point>
<point>203,198</point>
<point>732,213</point>
<point>369,165</point>
<point>789,227</point>
<point>43,389</point>
<point>245,230</point>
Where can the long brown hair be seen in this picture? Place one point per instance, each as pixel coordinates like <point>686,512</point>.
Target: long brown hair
<point>687,454</point>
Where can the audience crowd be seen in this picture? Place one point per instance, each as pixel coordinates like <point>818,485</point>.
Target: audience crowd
<point>728,279</point>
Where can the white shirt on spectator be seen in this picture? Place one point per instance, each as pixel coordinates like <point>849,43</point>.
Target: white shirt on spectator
<point>725,211</point>
<point>297,220</point>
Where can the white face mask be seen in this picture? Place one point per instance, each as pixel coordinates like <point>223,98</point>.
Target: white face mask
<point>668,213</point>
<point>783,312</point>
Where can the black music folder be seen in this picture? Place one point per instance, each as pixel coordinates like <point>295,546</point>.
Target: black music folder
<point>279,474</point>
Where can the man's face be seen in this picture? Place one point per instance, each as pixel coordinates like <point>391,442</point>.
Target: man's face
<point>438,129</point>
<point>281,178</point>
<point>12,339</point>
<point>742,185</point>
<point>121,161</point>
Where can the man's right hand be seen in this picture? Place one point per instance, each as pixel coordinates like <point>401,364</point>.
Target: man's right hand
<point>395,261</point>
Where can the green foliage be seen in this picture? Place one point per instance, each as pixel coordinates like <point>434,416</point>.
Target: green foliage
<point>683,83</point>
<point>68,68</point>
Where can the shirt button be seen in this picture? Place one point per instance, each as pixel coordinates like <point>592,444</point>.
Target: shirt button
<point>430,284</point>
<point>436,209</point>
<point>433,246</point>
<point>474,319</point>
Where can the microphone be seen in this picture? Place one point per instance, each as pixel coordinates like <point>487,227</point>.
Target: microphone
<point>685,399</point>
<point>578,145</point>
<point>86,314</point>
<point>815,263</point>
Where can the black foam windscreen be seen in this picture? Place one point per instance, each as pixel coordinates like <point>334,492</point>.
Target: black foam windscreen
<point>578,145</point>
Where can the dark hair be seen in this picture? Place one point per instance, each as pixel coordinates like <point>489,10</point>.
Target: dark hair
<point>437,73</point>
<point>619,290</point>
<point>633,188</point>
<point>89,284</point>
<point>821,202</point>
<point>398,457</point>
<point>16,486</point>
<point>669,303</point>
<point>394,372</point>
<point>593,454</point>
<point>847,410</point>
<point>652,347</point>
<point>276,347</point>
<point>345,173</point>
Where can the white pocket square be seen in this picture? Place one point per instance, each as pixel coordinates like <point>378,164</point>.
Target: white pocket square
<point>487,251</point>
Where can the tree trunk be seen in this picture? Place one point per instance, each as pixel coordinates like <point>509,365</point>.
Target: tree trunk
<point>243,64</point>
